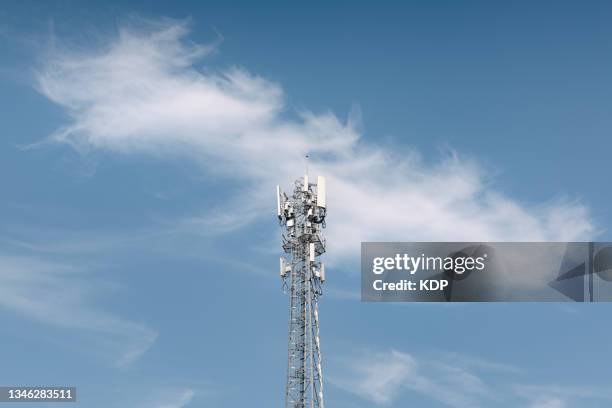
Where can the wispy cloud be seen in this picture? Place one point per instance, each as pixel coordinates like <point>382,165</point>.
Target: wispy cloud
<point>176,399</point>
<point>379,377</point>
<point>61,295</point>
<point>476,363</point>
<point>565,396</point>
<point>389,377</point>
<point>549,403</point>
<point>143,93</point>
<point>383,376</point>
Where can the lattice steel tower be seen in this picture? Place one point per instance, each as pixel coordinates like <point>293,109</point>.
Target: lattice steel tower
<point>303,216</point>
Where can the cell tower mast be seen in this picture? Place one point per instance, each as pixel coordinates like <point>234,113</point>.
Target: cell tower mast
<point>303,217</point>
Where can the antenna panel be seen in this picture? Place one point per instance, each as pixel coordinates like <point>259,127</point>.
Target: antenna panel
<point>321,193</point>
<point>284,268</point>
<point>278,201</point>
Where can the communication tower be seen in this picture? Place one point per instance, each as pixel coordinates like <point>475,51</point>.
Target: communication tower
<point>303,217</point>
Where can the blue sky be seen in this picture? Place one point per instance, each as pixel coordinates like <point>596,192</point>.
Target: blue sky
<point>140,148</point>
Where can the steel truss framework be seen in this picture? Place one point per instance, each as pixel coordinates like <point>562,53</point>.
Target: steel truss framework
<point>303,217</point>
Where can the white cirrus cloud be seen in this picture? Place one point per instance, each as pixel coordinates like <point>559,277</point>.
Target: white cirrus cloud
<point>144,92</point>
<point>389,377</point>
<point>566,395</point>
<point>549,403</point>
<point>382,377</point>
<point>176,399</point>
<point>379,377</point>
<point>60,295</point>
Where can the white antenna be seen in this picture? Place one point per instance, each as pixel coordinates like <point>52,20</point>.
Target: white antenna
<point>284,268</point>
<point>278,201</point>
<point>321,196</point>
<point>303,217</point>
